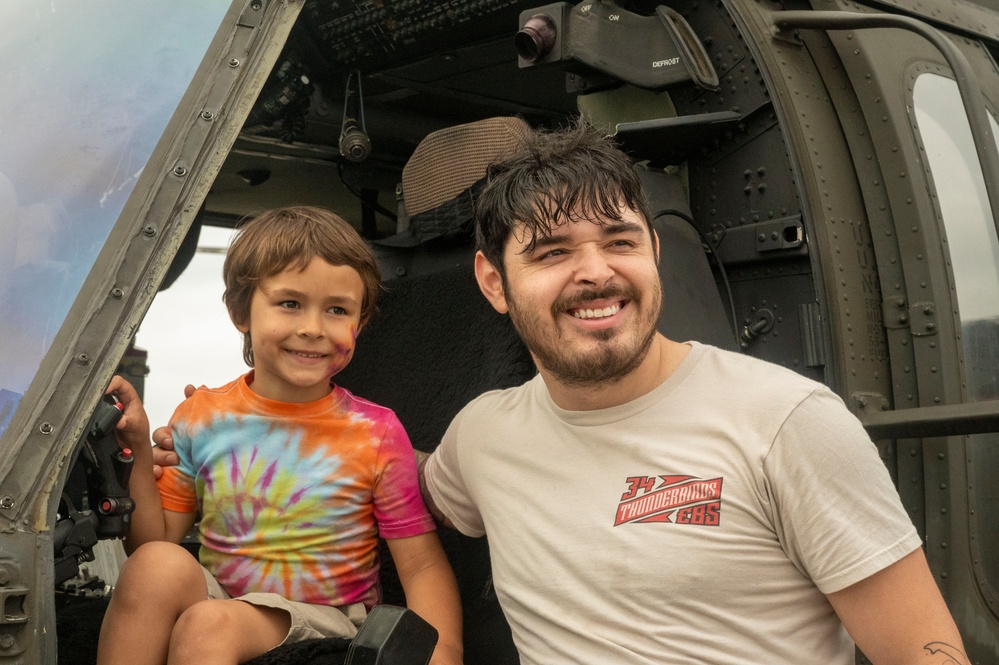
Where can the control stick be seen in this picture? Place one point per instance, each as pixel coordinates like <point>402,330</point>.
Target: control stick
<point>392,636</point>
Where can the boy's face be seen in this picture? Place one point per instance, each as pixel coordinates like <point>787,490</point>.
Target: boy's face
<point>302,327</point>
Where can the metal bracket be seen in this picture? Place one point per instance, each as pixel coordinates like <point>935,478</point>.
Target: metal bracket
<point>762,241</point>
<point>250,18</point>
<point>12,602</point>
<point>788,35</point>
<point>923,319</point>
<point>895,312</point>
<point>868,402</point>
<point>715,236</point>
<point>779,234</point>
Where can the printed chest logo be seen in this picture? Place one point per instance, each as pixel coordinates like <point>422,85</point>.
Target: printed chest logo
<point>672,499</point>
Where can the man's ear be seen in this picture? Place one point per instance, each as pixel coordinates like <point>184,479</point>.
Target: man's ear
<point>655,245</point>
<point>490,283</point>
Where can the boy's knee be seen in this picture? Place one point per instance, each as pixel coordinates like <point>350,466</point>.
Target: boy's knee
<point>209,618</point>
<point>218,626</point>
<point>201,629</point>
<point>159,565</point>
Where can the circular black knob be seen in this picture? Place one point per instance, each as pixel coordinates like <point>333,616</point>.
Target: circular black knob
<point>537,38</point>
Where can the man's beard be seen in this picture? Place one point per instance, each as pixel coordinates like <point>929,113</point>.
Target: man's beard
<point>610,362</point>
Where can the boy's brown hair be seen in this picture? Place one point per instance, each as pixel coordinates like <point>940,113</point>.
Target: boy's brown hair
<point>292,236</point>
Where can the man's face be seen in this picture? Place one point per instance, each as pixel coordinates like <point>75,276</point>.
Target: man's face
<point>585,300</point>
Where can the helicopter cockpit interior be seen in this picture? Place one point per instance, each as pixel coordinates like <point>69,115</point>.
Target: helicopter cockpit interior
<point>821,191</point>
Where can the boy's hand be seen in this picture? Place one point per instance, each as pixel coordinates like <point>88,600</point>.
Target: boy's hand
<point>132,430</point>
<point>163,454</point>
<point>447,655</point>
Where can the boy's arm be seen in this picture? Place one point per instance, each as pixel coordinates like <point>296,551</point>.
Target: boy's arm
<point>431,591</point>
<point>149,521</point>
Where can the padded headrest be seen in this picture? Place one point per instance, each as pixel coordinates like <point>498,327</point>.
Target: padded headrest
<point>450,160</point>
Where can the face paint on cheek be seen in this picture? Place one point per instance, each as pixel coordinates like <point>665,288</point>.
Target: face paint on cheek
<point>342,353</point>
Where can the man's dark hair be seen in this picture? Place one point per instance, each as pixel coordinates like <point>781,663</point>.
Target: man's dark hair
<point>567,175</point>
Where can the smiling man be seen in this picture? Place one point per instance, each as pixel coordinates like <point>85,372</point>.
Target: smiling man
<point>650,501</point>
<point>560,293</point>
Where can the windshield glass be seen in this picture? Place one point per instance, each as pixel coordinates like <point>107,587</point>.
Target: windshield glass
<point>971,233</point>
<point>87,90</point>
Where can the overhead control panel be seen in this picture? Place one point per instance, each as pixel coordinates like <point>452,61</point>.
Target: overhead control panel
<point>380,33</point>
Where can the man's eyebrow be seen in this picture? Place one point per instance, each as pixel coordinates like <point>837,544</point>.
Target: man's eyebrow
<point>547,241</point>
<point>612,228</point>
<point>607,229</point>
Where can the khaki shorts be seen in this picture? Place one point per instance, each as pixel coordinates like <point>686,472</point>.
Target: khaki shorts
<point>307,621</point>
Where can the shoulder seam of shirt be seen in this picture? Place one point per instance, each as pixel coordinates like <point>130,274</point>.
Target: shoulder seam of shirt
<point>787,416</point>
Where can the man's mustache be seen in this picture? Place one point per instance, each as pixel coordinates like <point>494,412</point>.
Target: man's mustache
<point>576,300</point>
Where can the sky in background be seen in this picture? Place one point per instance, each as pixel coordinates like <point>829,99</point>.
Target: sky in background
<point>187,332</point>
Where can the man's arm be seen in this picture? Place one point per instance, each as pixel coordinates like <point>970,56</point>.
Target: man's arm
<point>163,454</point>
<point>898,617</point>
<point>421,461</point>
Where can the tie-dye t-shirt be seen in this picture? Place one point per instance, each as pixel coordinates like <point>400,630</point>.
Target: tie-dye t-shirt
<point>293,497</point>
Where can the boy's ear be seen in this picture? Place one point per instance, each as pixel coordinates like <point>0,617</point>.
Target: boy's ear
<point>241,327</point>
<point>490,283</point>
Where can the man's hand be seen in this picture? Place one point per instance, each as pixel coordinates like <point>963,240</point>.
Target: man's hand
<point>163,454</point>
<point>428,500</point>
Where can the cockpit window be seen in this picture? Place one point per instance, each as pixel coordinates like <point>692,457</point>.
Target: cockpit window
<point>971,233</point>
<point>974,253</point>
<point>86,90</point>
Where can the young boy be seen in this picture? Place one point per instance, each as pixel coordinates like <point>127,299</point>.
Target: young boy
<point>294,478</point>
